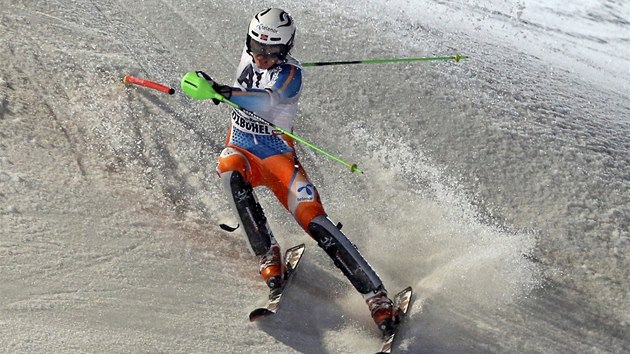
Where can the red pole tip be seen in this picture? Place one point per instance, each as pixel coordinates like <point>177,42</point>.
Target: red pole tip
<point>148,83</point>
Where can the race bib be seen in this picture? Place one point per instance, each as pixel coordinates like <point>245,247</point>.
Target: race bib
<point>243,122</point>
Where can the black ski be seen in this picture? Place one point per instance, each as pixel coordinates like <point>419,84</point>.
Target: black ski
<point>402,300</point>
<point>292,258</point>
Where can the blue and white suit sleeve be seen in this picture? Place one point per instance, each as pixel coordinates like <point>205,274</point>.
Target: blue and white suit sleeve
<point>286,86</point>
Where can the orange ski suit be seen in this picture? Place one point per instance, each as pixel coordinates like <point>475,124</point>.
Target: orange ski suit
<point>277,168</point>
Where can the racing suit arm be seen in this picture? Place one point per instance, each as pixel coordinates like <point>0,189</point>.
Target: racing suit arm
<point>287,85</point>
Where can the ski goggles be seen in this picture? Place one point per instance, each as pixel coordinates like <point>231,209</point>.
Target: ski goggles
<point>266,50</point>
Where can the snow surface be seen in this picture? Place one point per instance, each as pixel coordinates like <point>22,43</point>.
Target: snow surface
<point>498,187</point>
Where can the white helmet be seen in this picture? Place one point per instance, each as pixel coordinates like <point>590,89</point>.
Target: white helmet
<point>271,32</point>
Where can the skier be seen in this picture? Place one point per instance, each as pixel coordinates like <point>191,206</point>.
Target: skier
<point>268,83</point>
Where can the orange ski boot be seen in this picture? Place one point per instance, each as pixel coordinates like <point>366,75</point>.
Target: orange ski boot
<point>383,312</point>
<point>272,268</point>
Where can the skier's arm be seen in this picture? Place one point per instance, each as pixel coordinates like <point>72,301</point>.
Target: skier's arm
<point>286,86</point>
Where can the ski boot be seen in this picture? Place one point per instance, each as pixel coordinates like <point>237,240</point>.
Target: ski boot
<point>272,268</point>
<point>383,312</point>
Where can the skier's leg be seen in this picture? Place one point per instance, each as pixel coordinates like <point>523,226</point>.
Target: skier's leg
<point>347,257</point>
<point>300,197</point>
<point>241,196</point>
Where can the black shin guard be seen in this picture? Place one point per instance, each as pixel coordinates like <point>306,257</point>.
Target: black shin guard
<point>345,255</point>
<point>250,213</point>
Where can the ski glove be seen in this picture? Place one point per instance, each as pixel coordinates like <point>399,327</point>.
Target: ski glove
<point>224,90</point>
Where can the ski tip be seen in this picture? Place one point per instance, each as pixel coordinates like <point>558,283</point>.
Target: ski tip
<point>259,313</point>
<point>301,245</point>
<point>229,228</point>
<point>403,300</point>
<point>405,291</point>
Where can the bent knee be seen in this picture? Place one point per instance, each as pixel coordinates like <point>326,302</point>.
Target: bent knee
<point>232,160</point>
<point>306,212</point>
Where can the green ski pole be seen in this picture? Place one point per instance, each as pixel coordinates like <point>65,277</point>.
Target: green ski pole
<point>200,89</point>
<point>457,58</point>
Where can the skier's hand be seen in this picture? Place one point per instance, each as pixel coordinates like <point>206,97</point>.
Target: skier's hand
<point>224,90</point>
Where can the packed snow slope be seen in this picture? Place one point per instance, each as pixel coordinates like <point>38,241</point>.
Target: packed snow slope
<point>498,187</point>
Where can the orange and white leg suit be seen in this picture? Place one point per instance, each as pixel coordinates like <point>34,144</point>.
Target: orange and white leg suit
<point>251,160</point>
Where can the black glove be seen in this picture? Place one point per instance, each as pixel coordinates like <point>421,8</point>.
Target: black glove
<point>224,90</point>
